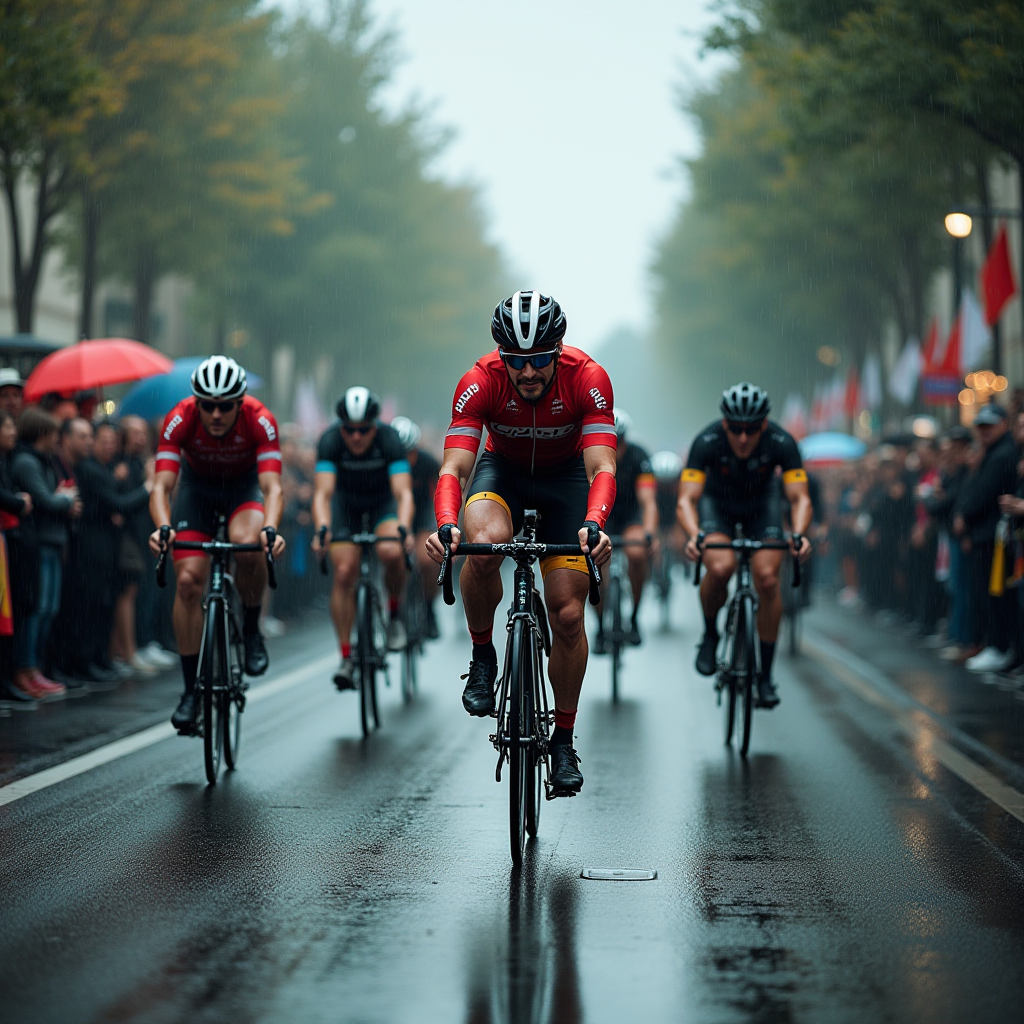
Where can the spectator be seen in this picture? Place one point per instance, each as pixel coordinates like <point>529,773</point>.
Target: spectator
<point>924,592</point>
<point>975,519</point>
<point>93,575</point>
<point>12,391</point>
<point>55,503</point>
<point>14,506</point>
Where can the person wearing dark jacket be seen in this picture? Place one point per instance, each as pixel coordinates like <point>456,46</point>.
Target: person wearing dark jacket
<point>14,506</point>
<point>54,504</point>
<point>975,519</point>
<point>92,580</point>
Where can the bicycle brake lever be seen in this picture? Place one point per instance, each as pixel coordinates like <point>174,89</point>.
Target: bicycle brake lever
<point>161,563</point>
<point>271,573</point>
<point>700,559</point>
<point>444,577</point>
<point>797,541</point>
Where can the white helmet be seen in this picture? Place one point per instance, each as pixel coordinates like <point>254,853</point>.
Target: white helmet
<point>219,377</point>
<point>623,422</point>
<point>358,405</point>
<point>408,431</point>
<point>666,466</point>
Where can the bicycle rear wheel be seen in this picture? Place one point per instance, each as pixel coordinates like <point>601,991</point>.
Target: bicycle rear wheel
<point>520,755</point>
<point>367,658</point>
<point>235,700</point>
<point>746,680</point>
<point>213,678</point>
<point>614,604</point>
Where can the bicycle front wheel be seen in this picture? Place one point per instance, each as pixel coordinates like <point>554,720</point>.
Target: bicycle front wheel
<point>746,680</point>
<point>235,700</point>
<point>367,658</point>
<point>213,678</point>
<point>520,747</point>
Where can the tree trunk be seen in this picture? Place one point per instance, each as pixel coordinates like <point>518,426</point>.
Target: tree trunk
<point>90,240</point>
<point>981,177</point>
<point>145,282</point>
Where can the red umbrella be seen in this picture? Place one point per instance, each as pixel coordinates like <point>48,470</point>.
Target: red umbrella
<point>92,364</point>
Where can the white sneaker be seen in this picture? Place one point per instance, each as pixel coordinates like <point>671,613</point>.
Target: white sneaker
<point>849,598</point>
<point>121,669</point>
<point>272,626</point>
<point>990,660</point>
<point>158,656</point>
<point>142,665</point>
<point>951,653</point>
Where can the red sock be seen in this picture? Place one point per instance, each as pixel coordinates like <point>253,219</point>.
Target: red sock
<point>565,719</point>
<point>483,636</point>
<point>392,604</point>
<point>346,650</point>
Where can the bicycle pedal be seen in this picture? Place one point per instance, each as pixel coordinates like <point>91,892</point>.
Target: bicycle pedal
<point>553,793</point>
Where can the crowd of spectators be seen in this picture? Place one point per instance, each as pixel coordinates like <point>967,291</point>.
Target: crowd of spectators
<point>927,534</point>
<point>79,605</point>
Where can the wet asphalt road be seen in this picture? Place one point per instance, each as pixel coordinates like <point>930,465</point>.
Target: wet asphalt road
<point>842,873</point>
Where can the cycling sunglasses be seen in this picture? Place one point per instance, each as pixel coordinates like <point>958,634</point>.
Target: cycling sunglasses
<point>350,428</point>
<point>212,407</point>
<point>538,362</point>
<point>739,429</point>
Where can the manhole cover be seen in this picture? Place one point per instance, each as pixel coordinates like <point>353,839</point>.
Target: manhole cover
<point>619,874</point>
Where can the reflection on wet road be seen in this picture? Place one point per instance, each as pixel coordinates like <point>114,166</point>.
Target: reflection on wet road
<point>842,873</point>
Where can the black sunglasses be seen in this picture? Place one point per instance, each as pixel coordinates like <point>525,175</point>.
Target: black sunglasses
<point>538,362</point>
<point>212,407</point>
<point>738,429</point>
<point>350,429</point>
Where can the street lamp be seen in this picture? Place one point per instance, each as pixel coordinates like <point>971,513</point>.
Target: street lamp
<point>959,224</point>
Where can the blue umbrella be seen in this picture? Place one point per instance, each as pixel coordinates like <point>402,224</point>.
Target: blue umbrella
<point>155,397</point>
<point>831,448</point>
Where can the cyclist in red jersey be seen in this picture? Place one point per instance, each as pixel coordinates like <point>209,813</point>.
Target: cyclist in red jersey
<point>224,445</point>
<point>550,447</point>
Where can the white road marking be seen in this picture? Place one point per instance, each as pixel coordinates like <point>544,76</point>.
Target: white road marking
<point>140,740</point>
<point>1009,799</point>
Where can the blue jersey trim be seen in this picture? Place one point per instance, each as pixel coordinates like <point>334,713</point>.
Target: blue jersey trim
<point>401,466</point>
<point>326,466</point>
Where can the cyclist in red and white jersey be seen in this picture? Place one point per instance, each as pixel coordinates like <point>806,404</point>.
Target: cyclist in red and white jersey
<point>551,443</point>
<point>224,446</point>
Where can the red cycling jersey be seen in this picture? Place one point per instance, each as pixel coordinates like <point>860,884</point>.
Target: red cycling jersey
<point>576,412</point>
<point>251,443</point>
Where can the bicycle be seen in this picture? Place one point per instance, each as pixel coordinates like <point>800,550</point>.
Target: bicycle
<point>414,615</point>
<point>739,668</point>
<point>615,636</point>
<point>371,647</point>
<point>522,710</point>
<point>222,649</point>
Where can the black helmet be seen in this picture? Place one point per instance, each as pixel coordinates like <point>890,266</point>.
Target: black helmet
<point>745,403</point>
<point>528,322</point>
<point>358,405</point>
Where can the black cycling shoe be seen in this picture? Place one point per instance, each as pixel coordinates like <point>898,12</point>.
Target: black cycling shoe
<point>767,695</point>
<point>478,696</point>
<point>184,717</point>
<point>565,778</point>
<point>633,637</point>
<point>256,657</point>
<point>707,660</point>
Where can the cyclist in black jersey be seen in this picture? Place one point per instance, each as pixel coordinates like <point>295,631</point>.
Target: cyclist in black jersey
<point>362,475</point>
<point>732,476</point>
<point>634,517</point>
<point>425,470</point>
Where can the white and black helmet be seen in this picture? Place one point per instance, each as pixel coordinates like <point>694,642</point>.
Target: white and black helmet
<point>358,405</point>
<point>408,431</point>
<point>666,466</point>
<point>745,403</point>
<point>220,378</point>
<point>528,322</point>
<point>623,422</point>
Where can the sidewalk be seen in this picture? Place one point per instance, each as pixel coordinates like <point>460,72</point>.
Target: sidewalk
<point>987,709</point>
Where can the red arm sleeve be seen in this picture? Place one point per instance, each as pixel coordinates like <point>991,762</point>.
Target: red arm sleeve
<point>268,441</point>
<point>597,401</point>
<point>168,450</point>
<point>468,412</point>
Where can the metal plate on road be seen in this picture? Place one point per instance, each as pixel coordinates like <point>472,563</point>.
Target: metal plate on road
<point>619,874</point>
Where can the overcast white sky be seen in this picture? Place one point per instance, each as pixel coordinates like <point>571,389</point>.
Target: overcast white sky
<point>566,118</point>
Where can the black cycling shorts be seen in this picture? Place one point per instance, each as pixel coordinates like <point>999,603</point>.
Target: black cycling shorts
<point>348,518</point>
<point>200,500</point>
<point>559,494</point>
<point>761,518</point>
